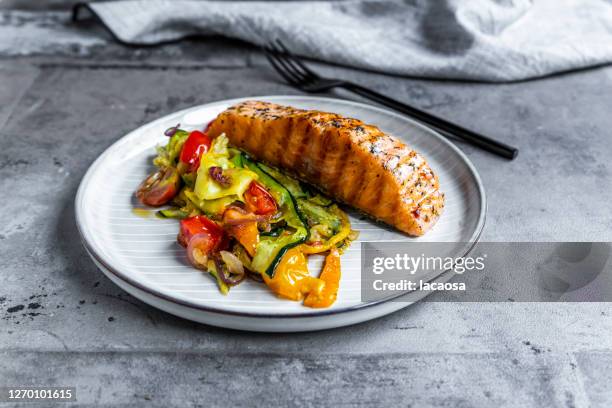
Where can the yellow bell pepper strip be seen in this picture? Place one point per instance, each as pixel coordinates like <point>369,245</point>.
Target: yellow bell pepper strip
<point>331,279</point>
<point>291,279</point>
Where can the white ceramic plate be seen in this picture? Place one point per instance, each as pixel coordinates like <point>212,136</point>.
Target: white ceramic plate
<point>140,254</point>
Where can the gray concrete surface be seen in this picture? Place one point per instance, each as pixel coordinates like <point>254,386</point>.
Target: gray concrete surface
<point>67,93</point>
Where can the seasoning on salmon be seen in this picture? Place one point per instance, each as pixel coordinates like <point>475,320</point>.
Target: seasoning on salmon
<point>349,160</point>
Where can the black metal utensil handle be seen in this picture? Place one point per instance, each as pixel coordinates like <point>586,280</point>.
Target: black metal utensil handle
<point>443,125</point>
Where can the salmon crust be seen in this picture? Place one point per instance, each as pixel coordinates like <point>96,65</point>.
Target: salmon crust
<point>351,161</point>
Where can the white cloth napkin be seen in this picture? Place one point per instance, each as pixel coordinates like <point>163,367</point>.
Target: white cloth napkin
<point>487,40</point>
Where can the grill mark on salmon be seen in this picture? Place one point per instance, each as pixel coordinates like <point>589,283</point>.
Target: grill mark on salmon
<point>280,143</point>
<point>376,196</point>
<point>326,154</point>
<point>360,179</point>
<point>334,161</point>
<point>384,199</point>
<point>286,127</point>
<point>307,153</point>
<point>351,161</point>
<point>290,153</point>
<point>301,147</point>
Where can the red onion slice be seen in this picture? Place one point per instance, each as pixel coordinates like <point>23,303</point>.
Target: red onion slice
<point>172,130</point>
<point>235,215</point>
<point>198,248</point>
<point>225,276</point>
<point>234,265</point>
<point>217,174</point>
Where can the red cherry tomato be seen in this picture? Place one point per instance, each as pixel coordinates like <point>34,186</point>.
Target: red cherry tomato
<point>195,146</point>
<point>199,224</point>
<point>259,200</point>
<point>160,187</point>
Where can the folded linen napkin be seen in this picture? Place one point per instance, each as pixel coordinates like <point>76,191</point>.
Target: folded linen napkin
<point>486,40</point>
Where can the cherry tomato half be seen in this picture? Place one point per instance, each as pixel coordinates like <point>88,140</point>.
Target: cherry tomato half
<point>195,146</point>
<point>259,200</point>
<point>160,187</point>
<point>200,224</point>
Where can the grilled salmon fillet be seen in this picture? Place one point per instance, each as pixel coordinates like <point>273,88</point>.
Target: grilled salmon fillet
<point>350,161</point>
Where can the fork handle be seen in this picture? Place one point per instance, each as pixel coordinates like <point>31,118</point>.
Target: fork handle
<point>476,139</point>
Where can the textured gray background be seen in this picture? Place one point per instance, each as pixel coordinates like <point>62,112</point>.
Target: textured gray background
<point>66,94</point>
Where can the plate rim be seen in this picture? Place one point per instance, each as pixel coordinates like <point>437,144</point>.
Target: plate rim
<point>474,239</point>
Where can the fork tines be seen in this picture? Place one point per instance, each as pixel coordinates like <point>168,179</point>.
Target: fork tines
<point>287,65</point>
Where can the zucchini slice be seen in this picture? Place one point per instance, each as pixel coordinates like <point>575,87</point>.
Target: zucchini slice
<point>271,249</point>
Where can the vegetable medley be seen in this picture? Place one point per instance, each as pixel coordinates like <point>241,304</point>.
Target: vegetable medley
<point>240,218</point>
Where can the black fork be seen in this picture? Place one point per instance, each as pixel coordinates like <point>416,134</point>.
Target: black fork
<point>297,74</point>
